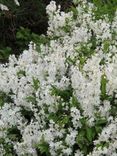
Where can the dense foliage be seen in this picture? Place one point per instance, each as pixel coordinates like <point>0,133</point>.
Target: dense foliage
<point>59,97</point>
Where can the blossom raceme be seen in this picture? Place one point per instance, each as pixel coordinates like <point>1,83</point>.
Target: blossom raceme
<point>62,100</point>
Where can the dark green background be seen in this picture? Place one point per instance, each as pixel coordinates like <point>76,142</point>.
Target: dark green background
<point>27,22</point>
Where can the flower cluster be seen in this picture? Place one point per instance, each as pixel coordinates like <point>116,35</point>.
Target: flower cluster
<point>62,100</point>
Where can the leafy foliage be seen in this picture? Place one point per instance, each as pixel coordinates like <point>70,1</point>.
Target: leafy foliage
<point>64,94</point>
<point>4,98</point>
<point>103,87</point>
<point>22,24</point>
<point>87,134</point>
<point>43,147</point>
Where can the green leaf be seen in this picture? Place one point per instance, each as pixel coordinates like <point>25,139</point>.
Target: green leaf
<point>101,121</point>
<point>75,12</point>
<point>90,132</point>
<point>81,138</point>
<point>43,147</point>
<point>1,102</point>
<point>71,60</point>
<point>106,45</point>
<point>5,52</point>
<point>98,129</point>
<point>64,94</point>
<point>23,34</point>
<point>21,73</point>
<point>53,116</point>
<point>103,86</point>
<point>103,144</point>
<point>66,28</point>
<point>63,121</point>
<point>31,99</point>
<point>36,84</point>
<point>75,103</point>
<point>83,121</point>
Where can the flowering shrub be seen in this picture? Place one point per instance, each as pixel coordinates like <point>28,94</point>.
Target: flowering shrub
<point>62,100</point>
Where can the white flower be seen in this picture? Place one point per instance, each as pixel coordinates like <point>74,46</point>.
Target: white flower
<point>17,2</point>
<point>3,7</point>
